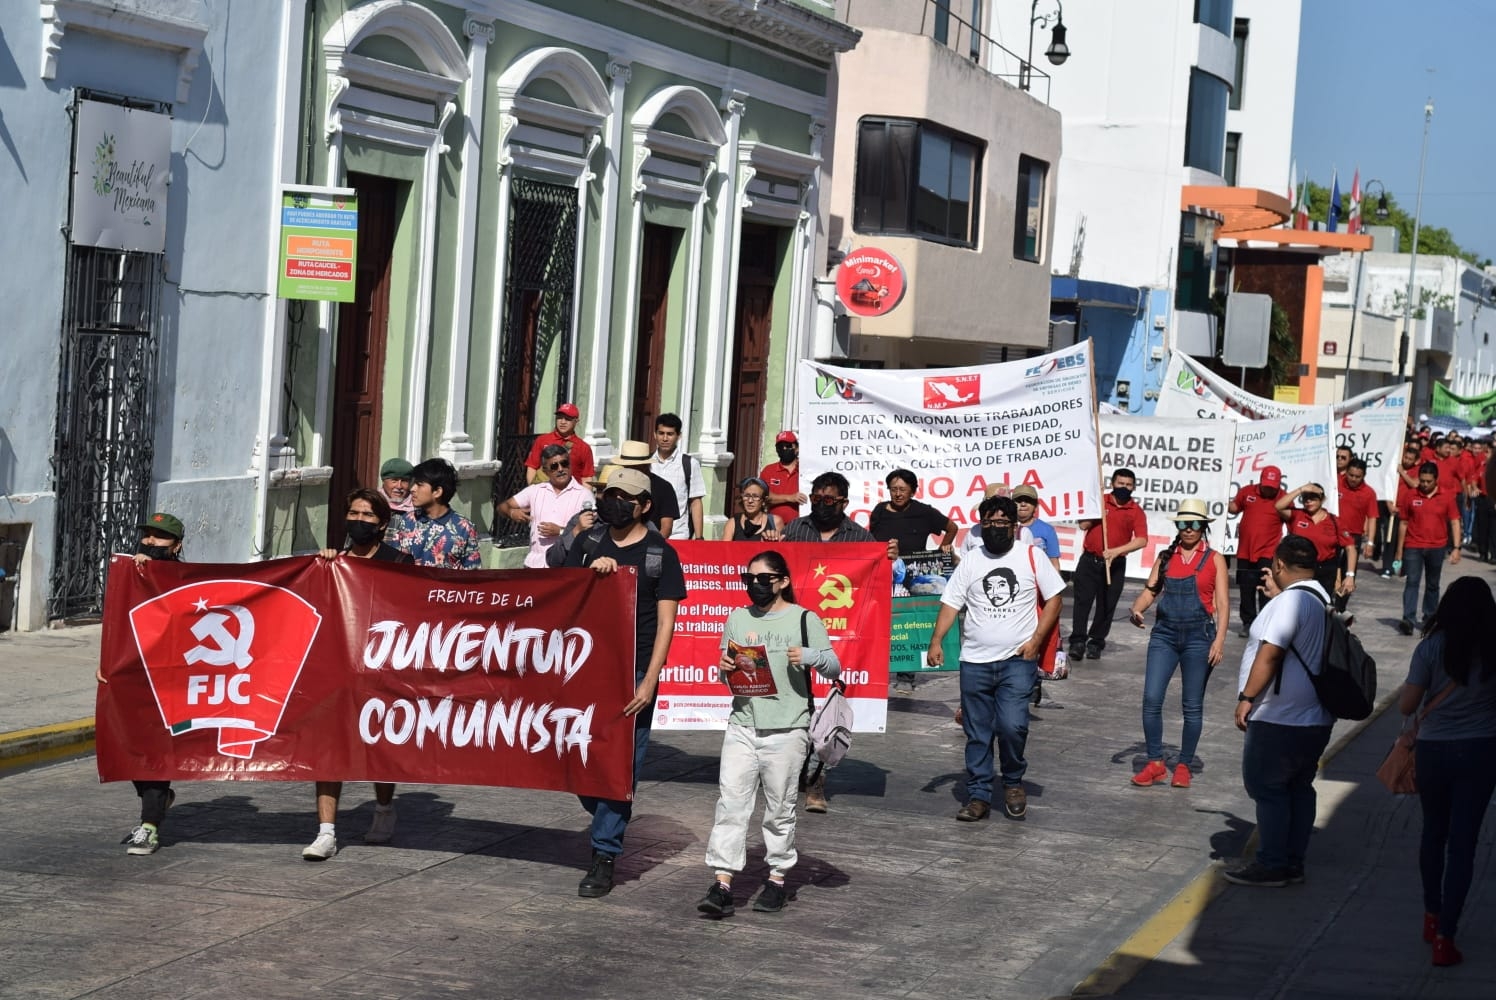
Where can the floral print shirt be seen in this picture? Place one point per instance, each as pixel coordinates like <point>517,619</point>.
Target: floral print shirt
<point>448,542</point>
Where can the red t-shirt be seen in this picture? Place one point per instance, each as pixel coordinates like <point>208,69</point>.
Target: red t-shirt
<point>1427,518</point>
<point>1123,524</point>
<point>1260,529</point>
<point>1450,473</point>
<point>1326,533</point>
<point>1471,467</point>
<point>1356,505</point>
<point>583,465</point>
<point>786,483</point>
<point>1205,580</point>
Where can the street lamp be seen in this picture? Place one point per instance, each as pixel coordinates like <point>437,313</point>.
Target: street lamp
<point>1402,347</point>
<point>1057,52</point>
<point>1381,198</point>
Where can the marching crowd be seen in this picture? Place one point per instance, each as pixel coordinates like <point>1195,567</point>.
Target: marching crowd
<point>1295,568</point>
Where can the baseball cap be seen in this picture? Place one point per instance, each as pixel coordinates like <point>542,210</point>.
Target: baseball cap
<point>633,453</point>
<point>1271,476</point>
<point>786,437</point>
<point>396,468</point>
<point>568,410</point>
<point>1028,492</point>
<point>631,481</point>
<point>167,524</point>
<point>997,490</point>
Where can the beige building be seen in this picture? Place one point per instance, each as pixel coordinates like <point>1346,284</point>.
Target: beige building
<point>951,169</point>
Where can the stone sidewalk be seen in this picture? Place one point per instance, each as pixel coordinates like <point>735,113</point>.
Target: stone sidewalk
<point>892,898</point>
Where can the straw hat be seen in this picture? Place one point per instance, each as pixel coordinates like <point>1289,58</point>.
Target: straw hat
<point>1192,510</point>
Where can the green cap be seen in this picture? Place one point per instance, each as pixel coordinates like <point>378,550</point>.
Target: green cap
<point>167,524</point>
<point>396,468</point>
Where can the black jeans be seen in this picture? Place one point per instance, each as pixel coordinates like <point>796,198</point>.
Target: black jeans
<point>154,796</point>
<point>1455,781</point>
<point>1248,579</point>
<point>1481,533</point>
<point>1091,589</point>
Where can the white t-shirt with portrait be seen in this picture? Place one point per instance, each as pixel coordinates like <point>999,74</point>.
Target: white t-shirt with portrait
<point>1000,595</point>
<point>1294,621</point>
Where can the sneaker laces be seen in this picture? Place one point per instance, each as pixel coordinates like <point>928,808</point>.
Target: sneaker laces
<point>139,835</point>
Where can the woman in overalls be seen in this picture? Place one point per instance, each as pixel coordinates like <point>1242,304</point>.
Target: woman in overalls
<point>1190,586</point>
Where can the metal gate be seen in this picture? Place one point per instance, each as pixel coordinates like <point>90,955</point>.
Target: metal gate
<point>538,287</point>
<point>105,419</point>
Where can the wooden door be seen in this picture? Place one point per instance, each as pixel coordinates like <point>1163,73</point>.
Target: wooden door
<point>656,259</point>
<point>363,329</point>
<point>758,264</point>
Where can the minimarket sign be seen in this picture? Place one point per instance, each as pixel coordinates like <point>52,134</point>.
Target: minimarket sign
<point>318,243</point>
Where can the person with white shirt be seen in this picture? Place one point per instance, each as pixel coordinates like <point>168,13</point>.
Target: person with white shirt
<point>671,463</point>
<point>1011,595</point>
<point>1277,707</point>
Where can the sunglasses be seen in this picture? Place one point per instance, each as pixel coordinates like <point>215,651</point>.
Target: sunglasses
<point>1190,525</point>
<point>762,579</point>
<point>1306,497</point>
<point>560,464</point>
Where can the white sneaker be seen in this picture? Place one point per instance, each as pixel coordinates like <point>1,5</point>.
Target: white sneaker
<point>324,847</point>
<point>383,827</point>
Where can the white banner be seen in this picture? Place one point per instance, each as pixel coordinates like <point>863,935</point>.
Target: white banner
<point>120,176</point>
<point>958,429</point>
<point>1294,444</point>
<point>1372,424</point>
<point>1173,460</point>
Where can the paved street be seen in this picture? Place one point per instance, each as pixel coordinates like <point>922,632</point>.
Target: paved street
<point>892,898</point>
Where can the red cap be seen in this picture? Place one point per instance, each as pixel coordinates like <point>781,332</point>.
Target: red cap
<point>568,410</point>
<point>1272,476</point>
<point>786,437</point>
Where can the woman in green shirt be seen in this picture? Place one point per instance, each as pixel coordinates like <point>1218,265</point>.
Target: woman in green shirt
<point>768,651</point>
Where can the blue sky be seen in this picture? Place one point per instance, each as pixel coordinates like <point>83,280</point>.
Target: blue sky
<point>1364,76</point>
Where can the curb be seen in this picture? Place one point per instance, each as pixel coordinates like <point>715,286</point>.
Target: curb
<point>1145,944</point>
<point>26,747</point>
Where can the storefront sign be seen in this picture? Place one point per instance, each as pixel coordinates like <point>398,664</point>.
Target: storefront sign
<point>870,282</point>
<point>318,243</point>
<point>120,178</point>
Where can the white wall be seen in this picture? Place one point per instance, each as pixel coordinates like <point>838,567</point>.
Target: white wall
<point>1269,87</point>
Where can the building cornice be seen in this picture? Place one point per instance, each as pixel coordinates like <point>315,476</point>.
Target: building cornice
<point>138,24</point>
<point>782,22</point>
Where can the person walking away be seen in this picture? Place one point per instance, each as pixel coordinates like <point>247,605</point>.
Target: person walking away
<point>1277,707</point>
<point>1257,536</point>
<point>1011,596</point>
<point>1452,679</point>
<point>1190,587</point>
<point>768,736</point>
<point>627,540</point>
<point>369,515</point>
<point>1126,531</point>
<point>1427,523</point>
<point>754,522</point>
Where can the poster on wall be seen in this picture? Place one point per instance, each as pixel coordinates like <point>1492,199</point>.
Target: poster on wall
<point>120,173</point>
<point>318,243</point>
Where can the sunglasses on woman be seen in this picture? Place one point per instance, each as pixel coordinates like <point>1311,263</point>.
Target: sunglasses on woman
<point>762,579</point>
<point>1306,497</point>
<point>1190,525</point>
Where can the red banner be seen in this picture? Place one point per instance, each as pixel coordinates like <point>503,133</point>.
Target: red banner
<point>355,670</point>
<point>849,584</point>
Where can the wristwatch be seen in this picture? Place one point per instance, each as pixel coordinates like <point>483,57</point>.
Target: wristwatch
<point>1243,696</point>
<point>1350,576</point>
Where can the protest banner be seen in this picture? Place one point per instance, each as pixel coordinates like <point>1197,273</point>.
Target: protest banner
<point>1474,410</point>
<point>958,429</point>
<point>1294,444</point>
<point>909,641</point>
<point>849,584</point>
<point>1372,424</point>
<point>1173,460</point>
<point>354,670</point>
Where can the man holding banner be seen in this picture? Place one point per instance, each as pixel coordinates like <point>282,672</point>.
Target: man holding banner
<point>1102,569</point>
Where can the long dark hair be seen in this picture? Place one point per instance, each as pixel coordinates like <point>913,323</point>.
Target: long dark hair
<point>778,566</point>
<point>1167,554</point>
<point>1464,615</point>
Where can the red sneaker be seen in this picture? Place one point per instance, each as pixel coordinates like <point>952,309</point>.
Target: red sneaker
<point>1430,927</point>
<point>1153,774</point>
<point>1181,776</point>
<point>1445,953</point>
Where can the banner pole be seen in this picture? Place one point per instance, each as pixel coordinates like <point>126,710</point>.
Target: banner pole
<point>1096,422</point>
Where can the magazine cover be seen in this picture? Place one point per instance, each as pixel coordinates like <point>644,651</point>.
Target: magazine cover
<point>753,678</point>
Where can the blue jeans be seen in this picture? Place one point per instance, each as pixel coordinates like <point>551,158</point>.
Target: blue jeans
<point>1278,764</point>
<point>1417,563</point>
<point>995,706</point>
<point>1455,781</point>
<point>610,818</point>
<point>1185,645</point>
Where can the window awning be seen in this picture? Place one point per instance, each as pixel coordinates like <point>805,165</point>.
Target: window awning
<point>1240,208</point>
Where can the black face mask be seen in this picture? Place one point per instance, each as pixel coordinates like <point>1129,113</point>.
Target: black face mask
<point>156,551</point>
<point>998,541</point>
<point>787,453</point>
<point>1122,494</point>
<point>761,594</point>
<point>825,515</point>
<point>361,532</point>
<point>615,513</point>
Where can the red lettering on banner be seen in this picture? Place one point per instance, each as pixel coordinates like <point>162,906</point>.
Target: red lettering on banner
<point>941,487</point>
<point>304,670</point>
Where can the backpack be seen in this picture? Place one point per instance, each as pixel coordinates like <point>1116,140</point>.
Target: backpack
<point>831,724</point>
<point>654,555</point>
<point>1347,680</point>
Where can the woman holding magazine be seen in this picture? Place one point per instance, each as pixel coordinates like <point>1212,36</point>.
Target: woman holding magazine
<point>768,651</point>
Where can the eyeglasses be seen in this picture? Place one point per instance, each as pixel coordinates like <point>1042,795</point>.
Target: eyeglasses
<point>762,579</point>
<point>997,524</point>
<point>561,464</point>
<point>753,496</point>
<point>825,501</point>
<point>1190,525</point>
<point>1307,497</point>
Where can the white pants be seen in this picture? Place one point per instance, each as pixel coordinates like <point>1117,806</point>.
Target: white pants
<point>751,759</point>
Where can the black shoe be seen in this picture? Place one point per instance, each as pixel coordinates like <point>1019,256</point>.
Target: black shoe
<point>1257,874</point>
<point>1405,627</point>
<point>1077,651</point>
<point>770,900</point>
<point>599,878</point>
<point>1244,631</point>
<point>717,901</point>
<point>1093,650</point>
<point>1295,874</point>
<point>1038,694</point>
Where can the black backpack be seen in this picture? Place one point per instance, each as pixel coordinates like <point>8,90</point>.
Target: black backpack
<point>1347,680</point>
